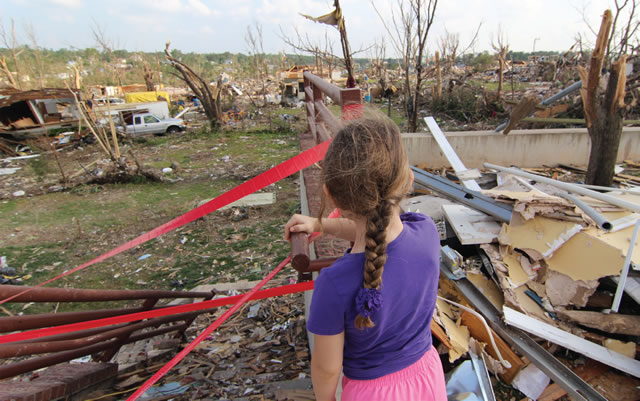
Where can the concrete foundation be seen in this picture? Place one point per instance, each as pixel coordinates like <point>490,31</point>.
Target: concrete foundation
<point>523,148</point>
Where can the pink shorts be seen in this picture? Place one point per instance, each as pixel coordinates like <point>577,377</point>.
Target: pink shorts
<point>422,381</point>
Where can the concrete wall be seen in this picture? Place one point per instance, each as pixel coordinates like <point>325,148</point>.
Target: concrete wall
<point>523,148</point>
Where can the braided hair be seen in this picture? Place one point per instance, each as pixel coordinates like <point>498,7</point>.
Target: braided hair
<point>366,172</point>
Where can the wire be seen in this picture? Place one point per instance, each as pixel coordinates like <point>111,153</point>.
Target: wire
<point>503,362</point>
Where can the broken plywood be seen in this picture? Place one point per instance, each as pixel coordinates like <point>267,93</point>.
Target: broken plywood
<point>542,234</point>
<point>488,288</point>
<point>471,226</point>
<point>586,258</point>
<point>517,275</point>
<point>562,290</point>
<point>458,335</point>
<point>621,347</point>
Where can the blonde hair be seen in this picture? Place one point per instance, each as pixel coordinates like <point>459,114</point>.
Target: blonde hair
<point>366,172</point>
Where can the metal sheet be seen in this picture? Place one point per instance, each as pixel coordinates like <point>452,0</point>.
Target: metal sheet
<point>460,194</point>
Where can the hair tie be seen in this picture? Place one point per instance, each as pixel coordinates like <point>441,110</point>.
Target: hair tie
<point>368,300</point>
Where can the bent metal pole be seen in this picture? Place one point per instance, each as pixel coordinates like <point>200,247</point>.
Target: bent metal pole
<point>568,187</point>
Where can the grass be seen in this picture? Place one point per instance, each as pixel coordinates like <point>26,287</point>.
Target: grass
<point>52,233</point>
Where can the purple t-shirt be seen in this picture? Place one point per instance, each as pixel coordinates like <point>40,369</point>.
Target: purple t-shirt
<point>402,331</point>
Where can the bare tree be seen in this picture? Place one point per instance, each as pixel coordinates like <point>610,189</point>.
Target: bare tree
<point>210,97</point>
<point>378,64</point>
<point>604,110</point>
<point>107,46</point>
<point>37,53</point>
<point>449,44</point>
<point>253,39</point>
<point>624,27</point>
<point>147,74</point>
<point>322,50</point>
<point>501,47</point>
<point>10,42</point>
<point>409,30</point>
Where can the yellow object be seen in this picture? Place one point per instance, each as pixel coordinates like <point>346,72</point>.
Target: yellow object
<point>142,97</point>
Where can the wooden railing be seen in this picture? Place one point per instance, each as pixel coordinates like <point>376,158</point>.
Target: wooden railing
<point>322,123</point>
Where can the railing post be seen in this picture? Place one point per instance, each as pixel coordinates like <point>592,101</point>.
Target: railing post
<point>188,322</point>
<point>351,103</point>
<point>107,354</point>
<point>318,98</point>
<point>308,97</point>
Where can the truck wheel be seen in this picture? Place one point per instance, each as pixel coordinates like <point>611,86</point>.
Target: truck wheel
<point>173,130</point>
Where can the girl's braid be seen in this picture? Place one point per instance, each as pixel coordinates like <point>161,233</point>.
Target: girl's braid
<point>375,251</point>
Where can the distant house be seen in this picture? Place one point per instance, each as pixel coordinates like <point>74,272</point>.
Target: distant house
<point>23,113</point>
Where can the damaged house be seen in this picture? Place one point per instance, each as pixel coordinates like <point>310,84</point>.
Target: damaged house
<point>24,114</point>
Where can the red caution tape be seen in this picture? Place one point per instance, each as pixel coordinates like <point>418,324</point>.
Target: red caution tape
<point>204,334</point>
<point>285,169</point>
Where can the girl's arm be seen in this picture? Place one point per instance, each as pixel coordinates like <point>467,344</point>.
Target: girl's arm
<point>326,365</point>
<point>340,227</point>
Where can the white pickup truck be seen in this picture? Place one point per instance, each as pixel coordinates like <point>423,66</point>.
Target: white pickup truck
<point>147,123</point>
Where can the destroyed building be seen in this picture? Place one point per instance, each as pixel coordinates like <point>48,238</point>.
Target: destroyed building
<point>24,113</point>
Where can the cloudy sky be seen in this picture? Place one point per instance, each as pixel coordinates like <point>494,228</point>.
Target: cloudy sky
<point>220,25</point>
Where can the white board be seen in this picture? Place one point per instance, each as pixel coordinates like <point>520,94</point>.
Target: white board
<point>471,226</point>
<point>571,341</point>
<point>449,153</point>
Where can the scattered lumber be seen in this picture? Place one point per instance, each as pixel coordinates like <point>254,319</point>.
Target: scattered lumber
<point>611,323</point>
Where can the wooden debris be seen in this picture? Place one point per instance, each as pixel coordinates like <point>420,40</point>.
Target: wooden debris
<point>611,323</point>
<point>572,342</point>
<point>526,106</point>
<point>479,332</point>
<point>587,372</point>
<point>617,387</point>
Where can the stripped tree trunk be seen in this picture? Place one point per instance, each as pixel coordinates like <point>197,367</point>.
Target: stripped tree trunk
<point>603,113</point>
<point>7,72</point>
<point>437,94</point>
<point>147,74</point>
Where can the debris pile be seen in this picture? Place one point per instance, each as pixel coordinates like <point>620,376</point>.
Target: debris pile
<point>260,353</point>
<point>562,270</point>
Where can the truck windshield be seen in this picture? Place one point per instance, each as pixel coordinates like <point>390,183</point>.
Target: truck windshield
<point>150,119</point>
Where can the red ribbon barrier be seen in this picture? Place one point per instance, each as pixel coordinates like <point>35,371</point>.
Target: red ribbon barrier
<point>285,169</point>
<point>132,317</point>
<point>204,334</point>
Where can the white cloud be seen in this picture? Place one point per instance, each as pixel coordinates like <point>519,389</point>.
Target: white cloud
<point>207,30</point>
<point>63,18</point>
<point>165,5</point>
<point>67,3</point>
<point>200,8</point>
<point>195,7</point>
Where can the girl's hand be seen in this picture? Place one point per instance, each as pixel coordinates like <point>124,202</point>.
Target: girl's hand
<point>300,223</point>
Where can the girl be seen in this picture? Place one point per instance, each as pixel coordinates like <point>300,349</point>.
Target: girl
<point>371,310</point>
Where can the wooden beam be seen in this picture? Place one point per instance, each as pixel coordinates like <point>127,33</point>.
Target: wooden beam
<point>571,341</point>
<point>611,323</point>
